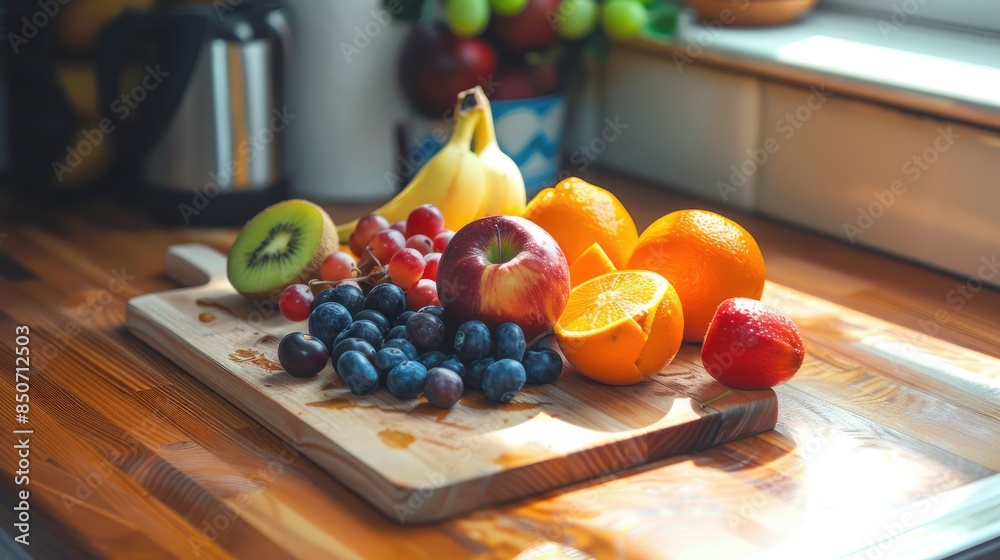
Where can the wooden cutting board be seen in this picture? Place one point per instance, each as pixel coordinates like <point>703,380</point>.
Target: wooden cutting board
<point>412,461</point>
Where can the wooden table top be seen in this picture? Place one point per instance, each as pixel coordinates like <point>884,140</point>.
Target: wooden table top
<point>887,443</point>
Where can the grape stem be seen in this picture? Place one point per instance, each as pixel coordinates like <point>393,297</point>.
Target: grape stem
<point>376,276</point>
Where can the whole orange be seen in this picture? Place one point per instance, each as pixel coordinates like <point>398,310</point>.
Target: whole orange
<point>708,259</point>
<point>578,214</point>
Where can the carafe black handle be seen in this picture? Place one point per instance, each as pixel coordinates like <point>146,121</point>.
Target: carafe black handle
<point>141,115</point>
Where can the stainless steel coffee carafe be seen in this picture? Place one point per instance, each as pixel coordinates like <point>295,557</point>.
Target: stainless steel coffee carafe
<point>205,122</point>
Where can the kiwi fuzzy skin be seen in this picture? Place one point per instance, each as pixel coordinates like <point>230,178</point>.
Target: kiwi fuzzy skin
<point>329,242</point>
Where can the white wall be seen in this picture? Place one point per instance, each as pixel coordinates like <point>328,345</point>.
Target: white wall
<point>342,140</point>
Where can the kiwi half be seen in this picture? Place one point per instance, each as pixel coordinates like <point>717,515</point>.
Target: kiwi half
<point>284,244</point>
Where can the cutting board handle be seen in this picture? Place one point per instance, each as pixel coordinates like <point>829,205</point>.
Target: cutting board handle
<point>194,264</point>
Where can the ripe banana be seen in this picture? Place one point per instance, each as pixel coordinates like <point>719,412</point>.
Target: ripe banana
<point>504,183</point>
<point>454,179</point>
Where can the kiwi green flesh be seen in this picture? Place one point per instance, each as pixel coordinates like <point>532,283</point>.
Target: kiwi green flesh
<point>275,247</point>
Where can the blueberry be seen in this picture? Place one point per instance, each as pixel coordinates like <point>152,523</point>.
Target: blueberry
<point>405,345</point>
<point>452,362</point>
<point>302,355</point>
<point>426,331</point>
<point>352,344</point>
<point>375,317</point>
<point>327,321</point>
<point>348,295</point>
<point>386,359</point>
<point>431,359</point>
<point>365,330</point>
<point>476,371</point>
<point>387,299</point>
<point>508,342</point>
<point>443,387</point>
<point>401,320</point>
<point>472,341</point>
<point>359,374</point>
<point>503,379</point>
<point>406,380</point>
<point>398,331</point>
<point>435,310</point>
<point>542,366</point>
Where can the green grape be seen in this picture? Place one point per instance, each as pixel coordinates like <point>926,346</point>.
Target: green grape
<point>576,18</point>
<point>624,18</point>
<point>508,7</point>
<point>467,18</point>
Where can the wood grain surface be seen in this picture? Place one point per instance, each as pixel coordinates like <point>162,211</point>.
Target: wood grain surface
<point>885,445</point>
<point>415,462</point>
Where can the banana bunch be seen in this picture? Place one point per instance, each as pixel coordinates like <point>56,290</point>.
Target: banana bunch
<point>464,183</point>
<point>504,183</point>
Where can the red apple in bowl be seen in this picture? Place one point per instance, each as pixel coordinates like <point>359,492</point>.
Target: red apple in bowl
<point>435,64</point>
<point>504,268</point>
<point>532,29</point>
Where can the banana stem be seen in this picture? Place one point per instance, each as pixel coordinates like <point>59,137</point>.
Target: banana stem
<point>467,120</point>
<point>485,130</point>
<point>465,126</point>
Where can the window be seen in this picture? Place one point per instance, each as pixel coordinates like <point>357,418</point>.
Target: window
<point>980,15</point>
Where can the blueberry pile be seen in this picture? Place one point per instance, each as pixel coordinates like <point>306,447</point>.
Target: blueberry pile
<point>372,341</point>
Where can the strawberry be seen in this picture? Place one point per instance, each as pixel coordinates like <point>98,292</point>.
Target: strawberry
<point>750,345</point>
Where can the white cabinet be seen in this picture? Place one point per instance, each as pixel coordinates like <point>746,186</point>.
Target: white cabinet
<point>912,185</point>
<point>686,128</point>
<point>922,188</point>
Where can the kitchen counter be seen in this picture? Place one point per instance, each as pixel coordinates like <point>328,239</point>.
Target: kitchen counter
<point>887,442</point>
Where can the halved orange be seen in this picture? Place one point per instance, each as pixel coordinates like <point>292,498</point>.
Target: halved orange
<point>591,264</point>
<point>622,327</point>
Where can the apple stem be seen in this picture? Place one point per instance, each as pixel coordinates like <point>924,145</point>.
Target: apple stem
<point>712,400</point>
<point>499,246</point>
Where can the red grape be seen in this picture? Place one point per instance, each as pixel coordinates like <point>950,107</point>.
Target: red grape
<point>294,302</point>
<point>338,266</point>
<point>405,267</point>
<point>442,239</point>
<point>367,226</point>
<point>422,294</point>
<point>421,243</point>
<point>400,226</point>
<point>385,243</point>
<point>431,266</point>
<point>425,219</point>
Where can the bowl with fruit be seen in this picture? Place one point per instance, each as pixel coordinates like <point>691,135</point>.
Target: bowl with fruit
<point>530,57</point>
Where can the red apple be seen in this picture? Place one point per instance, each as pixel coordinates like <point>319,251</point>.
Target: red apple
<point>504,268</point>
<point>518,80</point>
<point>514,81</point>
<point>530,30</point>
<point>436,64</point>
